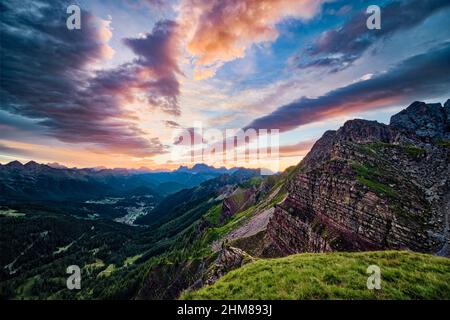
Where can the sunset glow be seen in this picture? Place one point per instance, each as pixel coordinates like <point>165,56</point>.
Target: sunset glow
<point>115,90</point>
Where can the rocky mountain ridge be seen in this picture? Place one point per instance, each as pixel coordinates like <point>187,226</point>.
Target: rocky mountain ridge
<point>371,186</point>
<point>366,186</point>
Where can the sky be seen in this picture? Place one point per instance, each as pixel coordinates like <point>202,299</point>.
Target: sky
<point>139,73</point>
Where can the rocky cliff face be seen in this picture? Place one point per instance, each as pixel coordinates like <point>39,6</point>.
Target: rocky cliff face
<point>425,120</point>
<point>229,258</point>
<point>371,186</point>
<point>238,201</point>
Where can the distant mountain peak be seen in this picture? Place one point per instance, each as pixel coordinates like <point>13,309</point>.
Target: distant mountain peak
<point>198,166</point>
<point>202,168</point>
<point>56,165</point>
<point>182,169</point>
<point>14,164</point>
<point>33,165</point>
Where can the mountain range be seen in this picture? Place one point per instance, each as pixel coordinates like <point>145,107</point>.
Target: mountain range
<point>365,187</point>
<point>54,181</point>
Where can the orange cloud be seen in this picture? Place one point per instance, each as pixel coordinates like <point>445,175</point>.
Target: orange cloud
<point>299,149</point>
<point>103,33</point>
<point>220,31</point>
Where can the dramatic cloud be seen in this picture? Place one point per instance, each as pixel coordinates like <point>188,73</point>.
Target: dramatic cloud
<point>140,3</point>
<point>152,4</point>
<point>338,48</point>
<point>49,77</point>
<point>157,65</point>
<point>220,31</point>
<point>151,77</point>
<point>419,77</point>
<point>298,149</point>
<point>4,149</point>
<point>172,124</point>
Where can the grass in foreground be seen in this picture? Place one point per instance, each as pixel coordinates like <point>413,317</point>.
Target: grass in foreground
<point>404,275</point>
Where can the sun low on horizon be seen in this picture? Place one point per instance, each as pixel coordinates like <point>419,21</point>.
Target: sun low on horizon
<point>115,90</point>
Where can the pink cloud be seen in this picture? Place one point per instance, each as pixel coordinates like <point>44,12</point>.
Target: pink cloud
<point>220,31</point>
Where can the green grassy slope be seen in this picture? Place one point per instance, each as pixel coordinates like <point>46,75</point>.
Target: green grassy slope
<point>404,275</point>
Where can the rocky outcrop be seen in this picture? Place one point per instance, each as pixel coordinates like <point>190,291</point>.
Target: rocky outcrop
<point>356,131</point>
<point>425,120</point>
<point>239,200</point>
<point>290,234</point>
<point>252,236</point>
<point>447,110</point>
<point>229,258</point>
<point>370,186</point>
<point>166,280</point>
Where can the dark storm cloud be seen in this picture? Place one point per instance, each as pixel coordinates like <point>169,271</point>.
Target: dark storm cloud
<point>155,48</point>
<point>157,56</point>
<point>46,76</point>
<point>152,73</point>
<point>4,149</point>
<point>420,77</point>
<point>343,45</point>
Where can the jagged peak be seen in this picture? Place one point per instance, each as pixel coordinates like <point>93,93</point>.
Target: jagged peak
<point>419,118</point>
<point>14,164</point>
<point>424,119</point>
<point>447,111</point>
<point>362,131</point>
<point>447,104</point>
<point>356,130</point>
<point>356,124</point>
<point>32,164</point>
<point>419,107</point>
<point>201,166</point>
